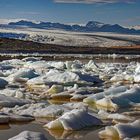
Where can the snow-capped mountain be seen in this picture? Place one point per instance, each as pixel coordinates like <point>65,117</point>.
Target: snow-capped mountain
<point>137,27</point>
<point>7,21</point>
<point>94,24</point>
<point>86,36</point>
<point>91,26</point>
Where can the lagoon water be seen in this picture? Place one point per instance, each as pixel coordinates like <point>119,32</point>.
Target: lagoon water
<point>8,131</point>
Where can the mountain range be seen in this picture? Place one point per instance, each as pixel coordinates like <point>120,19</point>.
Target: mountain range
<point>91,26</point>
<point>137,27</point>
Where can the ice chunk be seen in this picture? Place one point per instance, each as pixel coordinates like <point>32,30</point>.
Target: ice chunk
<point>106,104</point>
<point>23,75</point>
<point>58,65</point>
<point>74,120</point>
<point>121,131</point>
<point>56,89</point>
<point>29,135</point>
<point>102,98</point>
<point>61,77</point>
<point>128,97</point>
<point>4,118</point>
<point>3,83</point>
<point>11,101</point>
<point>92,65</point>
<point>115,116</point>
<point>44,110</point>
<point>33,59</point>
<point>137,78</point>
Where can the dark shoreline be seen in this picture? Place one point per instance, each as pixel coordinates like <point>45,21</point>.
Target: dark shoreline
<point>20,46</point>
<point>18,49</point>
<point>72,57</point>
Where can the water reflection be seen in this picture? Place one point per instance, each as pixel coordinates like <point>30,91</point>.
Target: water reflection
<point>4,126</point>
<point>73,135</point>
<point>59,101</point>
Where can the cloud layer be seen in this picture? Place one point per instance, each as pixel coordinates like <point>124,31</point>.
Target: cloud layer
<point>94,1</point>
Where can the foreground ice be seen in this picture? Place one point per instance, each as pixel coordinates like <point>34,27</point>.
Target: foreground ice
<point>74,120</point>
<point>115,117</point>
<point>10,117</point>
<point>23,75</point>
<point>103,99</point>
<point>113,101</point>
<point>44,110</point>
<point>75,94</point>
<point>3,83</point>
<point>68,77</point>
<point>6,101</point>
<point>29,135</point>
<point>121,131</point>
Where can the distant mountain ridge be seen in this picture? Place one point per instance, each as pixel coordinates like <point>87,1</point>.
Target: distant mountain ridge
<point>91,26</point>
<point>137,27</point>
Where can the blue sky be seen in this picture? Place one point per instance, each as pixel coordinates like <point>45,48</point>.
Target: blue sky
<point>124,12</point>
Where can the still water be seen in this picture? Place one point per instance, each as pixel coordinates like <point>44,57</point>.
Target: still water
<point>8,131</point>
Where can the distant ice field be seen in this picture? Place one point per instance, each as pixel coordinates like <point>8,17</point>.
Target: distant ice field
<point>67,38</point>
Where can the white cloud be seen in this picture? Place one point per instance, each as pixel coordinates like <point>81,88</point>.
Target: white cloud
<point>94,1</point>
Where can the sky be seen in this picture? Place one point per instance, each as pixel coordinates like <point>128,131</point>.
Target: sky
<point>123,12</point>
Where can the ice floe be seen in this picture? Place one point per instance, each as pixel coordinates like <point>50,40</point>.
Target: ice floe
<point>121,131</point>
<point>56,89</point>
<point>116,117</point>
<point>10,117</point>
<point>29,135</point>
<point>23,75</point>
<point>103,99</point>
<point>74,94</point>
<point>3,83</point>
<point>6,101</point>
<point>44,110</point>
<point>74,120</point>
